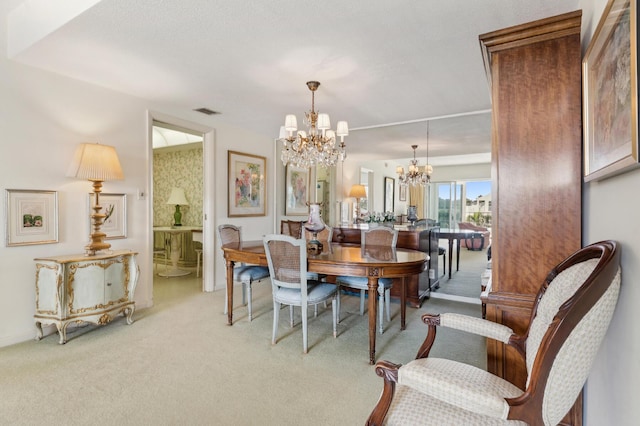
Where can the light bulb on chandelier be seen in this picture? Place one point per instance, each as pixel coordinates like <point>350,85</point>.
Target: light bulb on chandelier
<point>318,145</point>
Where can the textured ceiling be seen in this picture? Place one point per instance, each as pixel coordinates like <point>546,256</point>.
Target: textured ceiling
<point>384,66</point>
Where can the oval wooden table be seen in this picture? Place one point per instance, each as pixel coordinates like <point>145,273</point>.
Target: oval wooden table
<point>338,259</point>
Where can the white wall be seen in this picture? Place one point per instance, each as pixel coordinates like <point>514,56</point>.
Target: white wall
<point>43,117</point>
<point>610,212</point>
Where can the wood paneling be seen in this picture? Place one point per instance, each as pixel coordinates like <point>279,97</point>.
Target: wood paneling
<point>534,71</point>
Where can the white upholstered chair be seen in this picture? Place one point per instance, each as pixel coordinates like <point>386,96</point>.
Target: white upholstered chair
<point>246,274</point>
<point>287,258</point>
<point>384,237</point>
<point>569,319</point>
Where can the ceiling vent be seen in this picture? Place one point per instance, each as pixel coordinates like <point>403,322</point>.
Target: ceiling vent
<point>206,111</point>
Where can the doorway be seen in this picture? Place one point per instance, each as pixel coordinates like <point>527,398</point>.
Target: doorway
<point>200,188</point>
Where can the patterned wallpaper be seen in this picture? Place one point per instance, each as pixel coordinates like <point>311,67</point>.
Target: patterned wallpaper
<point>184,169</point>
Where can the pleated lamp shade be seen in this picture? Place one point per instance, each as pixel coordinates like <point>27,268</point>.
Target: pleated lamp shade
<point>95,162</point>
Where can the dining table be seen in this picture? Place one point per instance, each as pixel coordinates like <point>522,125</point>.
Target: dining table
<point>335,260</point>
<point>455,235</point>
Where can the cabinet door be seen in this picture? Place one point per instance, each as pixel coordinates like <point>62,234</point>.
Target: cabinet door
<point>115,283</point>
<point>85,286</point>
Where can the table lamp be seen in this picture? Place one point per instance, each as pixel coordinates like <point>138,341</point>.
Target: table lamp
<point>178,199</point>
<point>96,163</point>
<point>358,192</point>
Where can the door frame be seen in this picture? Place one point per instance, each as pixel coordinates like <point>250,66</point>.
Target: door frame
<point>208,190</point>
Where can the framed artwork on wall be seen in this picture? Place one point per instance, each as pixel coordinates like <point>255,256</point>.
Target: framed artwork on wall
<point>114,206</point>
<point>31,217</point>
<point>610,94</point>
<point>402,192</point>
<point>389,193</point>
<point>246,186</point>
<point>296,191</point>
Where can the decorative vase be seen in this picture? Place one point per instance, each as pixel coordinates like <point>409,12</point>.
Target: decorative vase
<point>411,215</point>
<point>314,225</point>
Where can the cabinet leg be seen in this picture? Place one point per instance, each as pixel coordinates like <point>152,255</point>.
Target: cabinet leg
<point>38,330</point>
<point>128,313</point>
<point>62,331</point>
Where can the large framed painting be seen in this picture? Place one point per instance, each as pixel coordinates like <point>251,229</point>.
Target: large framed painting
<point>114,206</point>
<point>610,94</point>
<point>389,193</point>
<point>297,191</point>
<point>246,185</point>
<point>31,217</point>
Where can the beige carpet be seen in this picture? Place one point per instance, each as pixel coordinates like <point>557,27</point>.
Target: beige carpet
<point>180,364</point>
<point>465,281</point>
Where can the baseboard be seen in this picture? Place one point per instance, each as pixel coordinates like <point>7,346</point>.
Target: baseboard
<point>453,297</point>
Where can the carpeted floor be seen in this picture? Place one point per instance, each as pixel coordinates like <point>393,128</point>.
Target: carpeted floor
<point>465,281</point>
<point>179,363</point>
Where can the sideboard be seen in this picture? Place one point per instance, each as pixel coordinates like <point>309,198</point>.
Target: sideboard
<point>79,288</point>
<point>412,237</point>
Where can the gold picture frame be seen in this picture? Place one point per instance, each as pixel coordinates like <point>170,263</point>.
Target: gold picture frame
<point>296,191</point>
<point>610,94</point>
<point>246,186</point>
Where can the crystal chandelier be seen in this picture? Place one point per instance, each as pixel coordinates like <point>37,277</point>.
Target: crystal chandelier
<point>318,145</point>
<point>416,175</point>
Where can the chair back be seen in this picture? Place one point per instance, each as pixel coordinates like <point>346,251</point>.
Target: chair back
<point>229,234</point>
<point>292,228</point>
<point>380,236</point>
<point>568,323</point>
<point>323,236</point>
<point>287,259</point>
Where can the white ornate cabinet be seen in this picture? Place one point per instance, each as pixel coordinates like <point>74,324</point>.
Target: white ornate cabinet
<point>78,288</point>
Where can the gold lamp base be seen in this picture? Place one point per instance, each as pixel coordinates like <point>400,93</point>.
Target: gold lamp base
<point>97,237</point>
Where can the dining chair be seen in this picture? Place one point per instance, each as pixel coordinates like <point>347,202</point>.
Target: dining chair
<point>292,228</point>
<point>197,244</point>
<point>161,249</point>
<point>380,236</point>
<point>568,322</point>
<point>287,259</point>
<point>246,274</point>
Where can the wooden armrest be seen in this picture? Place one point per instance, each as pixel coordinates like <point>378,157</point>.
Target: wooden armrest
<point>389,372</point>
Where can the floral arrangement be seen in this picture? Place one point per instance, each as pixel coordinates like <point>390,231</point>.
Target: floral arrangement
<point>378,217</point>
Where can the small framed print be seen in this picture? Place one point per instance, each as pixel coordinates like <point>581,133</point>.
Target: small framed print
<point>389,193</point>
<point>402,192</point>
<point>246,186</point>
<point>115,207</point>
<point>297,191</point>
<point>31,217</point>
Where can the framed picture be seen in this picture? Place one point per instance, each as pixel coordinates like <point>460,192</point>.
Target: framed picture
<point>389,193</point>
<point>297,191</point>
<point>115,207</point>
<point>610,94</point>
<point>246,187</point>
<point>32,217</point>
<point>402,192</point>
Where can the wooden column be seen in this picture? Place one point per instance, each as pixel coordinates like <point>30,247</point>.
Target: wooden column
<point>534,71</point>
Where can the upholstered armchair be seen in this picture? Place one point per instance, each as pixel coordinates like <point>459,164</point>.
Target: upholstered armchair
<point>568,322</point>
